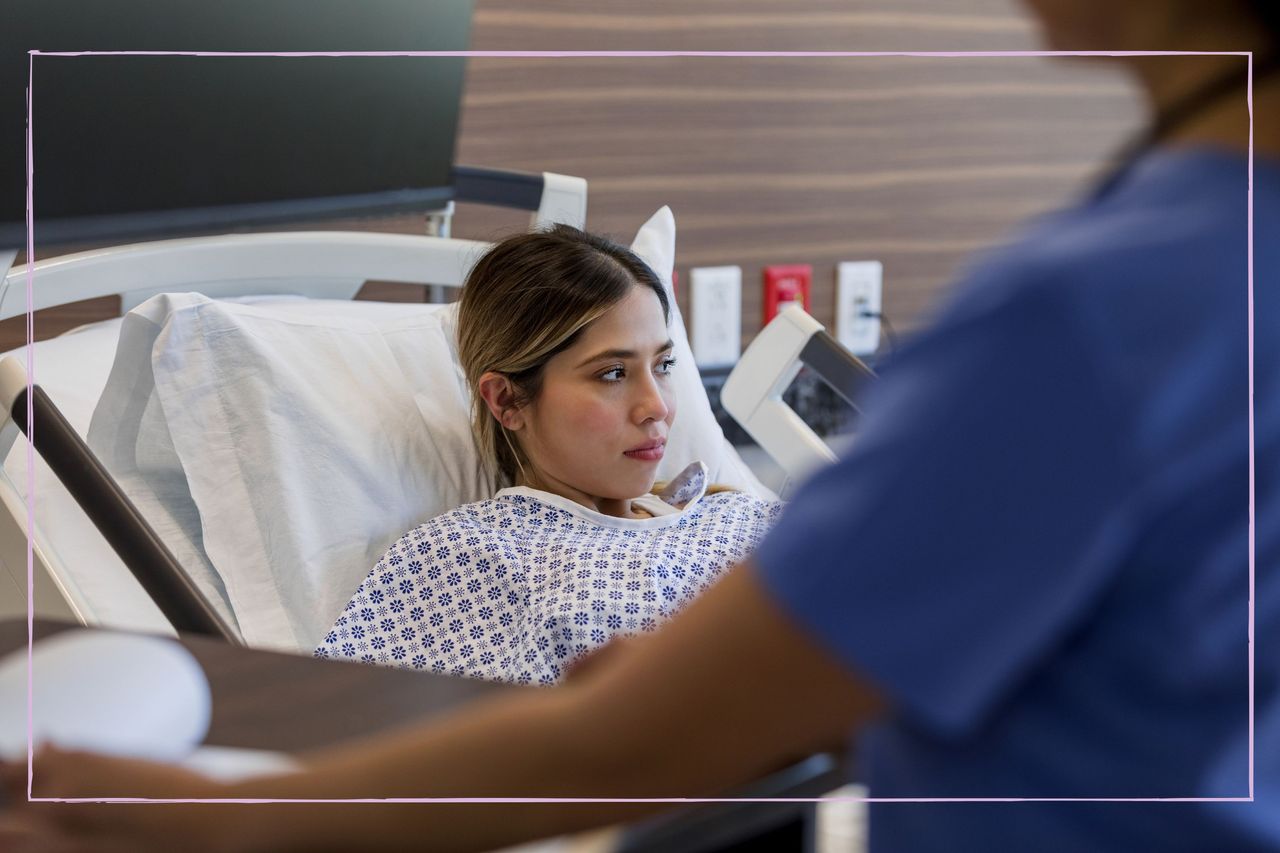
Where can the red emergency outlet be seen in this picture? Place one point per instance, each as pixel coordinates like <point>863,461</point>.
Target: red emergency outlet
<point>783,284</point>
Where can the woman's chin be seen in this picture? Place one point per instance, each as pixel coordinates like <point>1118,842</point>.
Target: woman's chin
<point>637,486</point>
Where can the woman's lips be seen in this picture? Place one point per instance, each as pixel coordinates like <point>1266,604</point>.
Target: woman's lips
<point>651,452</point>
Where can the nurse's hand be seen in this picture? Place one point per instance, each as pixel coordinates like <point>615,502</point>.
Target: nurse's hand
<point>108,827</point>
<point>69,774</point>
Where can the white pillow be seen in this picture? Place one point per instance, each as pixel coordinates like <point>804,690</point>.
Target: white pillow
<point>308,444</point>
<point>296,449</point>
<point>130,436</point>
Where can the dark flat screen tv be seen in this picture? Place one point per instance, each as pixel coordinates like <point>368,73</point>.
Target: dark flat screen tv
<point>128,147</point>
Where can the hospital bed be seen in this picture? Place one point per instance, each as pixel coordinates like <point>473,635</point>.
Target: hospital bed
<point>77,575</point>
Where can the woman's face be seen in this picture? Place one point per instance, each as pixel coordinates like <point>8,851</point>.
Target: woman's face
<point>599,425</point>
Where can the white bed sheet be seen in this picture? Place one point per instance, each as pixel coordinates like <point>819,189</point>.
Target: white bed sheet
<point>286,453</point>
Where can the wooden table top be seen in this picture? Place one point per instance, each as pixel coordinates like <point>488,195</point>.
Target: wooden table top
<point>270,700</point>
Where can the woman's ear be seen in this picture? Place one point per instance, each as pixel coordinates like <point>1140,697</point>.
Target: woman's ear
<point>499,394</point>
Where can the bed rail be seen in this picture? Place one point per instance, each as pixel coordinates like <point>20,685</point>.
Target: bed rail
<point>318,264</point>
<point>552,197</point>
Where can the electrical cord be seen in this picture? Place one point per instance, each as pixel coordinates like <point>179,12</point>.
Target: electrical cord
<point>889,335</point>
<point>1177,114</point>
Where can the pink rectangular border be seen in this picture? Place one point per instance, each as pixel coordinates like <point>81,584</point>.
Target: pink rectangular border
<point>30,352</point>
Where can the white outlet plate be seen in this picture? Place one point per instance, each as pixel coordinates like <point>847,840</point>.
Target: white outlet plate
<point>715,301</point>
<point>858,286</point>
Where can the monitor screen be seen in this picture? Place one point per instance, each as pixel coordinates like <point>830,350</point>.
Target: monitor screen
<point>144,146</point>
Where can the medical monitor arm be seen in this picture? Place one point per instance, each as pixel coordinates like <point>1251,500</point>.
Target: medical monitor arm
<point>753,392</point>
<point>551,198</point>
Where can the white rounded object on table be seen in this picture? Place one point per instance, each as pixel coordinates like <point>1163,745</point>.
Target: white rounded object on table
<point>122,694</point>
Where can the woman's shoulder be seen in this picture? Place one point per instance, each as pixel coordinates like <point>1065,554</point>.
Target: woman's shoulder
<point>492,515</point>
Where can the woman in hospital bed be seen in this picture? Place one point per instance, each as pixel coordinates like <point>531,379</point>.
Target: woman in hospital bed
<point>563,337</point>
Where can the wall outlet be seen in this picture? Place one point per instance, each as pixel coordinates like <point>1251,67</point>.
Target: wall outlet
<point>715,301</point>
<point>783,284</point>
<point>858,285</point>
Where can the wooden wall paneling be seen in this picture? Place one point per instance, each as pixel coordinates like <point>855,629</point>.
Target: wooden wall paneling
<point>917,162</point>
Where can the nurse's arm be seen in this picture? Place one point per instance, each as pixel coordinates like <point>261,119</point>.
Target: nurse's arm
<point>729,690</point>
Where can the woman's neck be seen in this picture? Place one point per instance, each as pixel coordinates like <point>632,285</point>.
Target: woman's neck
<point>1223,122</point>
<point>615,507</point>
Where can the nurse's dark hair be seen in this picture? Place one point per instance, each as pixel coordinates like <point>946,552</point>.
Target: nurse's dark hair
<point>1268,14</point>
<point>525,301</point>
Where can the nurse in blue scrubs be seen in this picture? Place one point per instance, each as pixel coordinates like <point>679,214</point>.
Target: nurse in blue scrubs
<point>1029,579</point>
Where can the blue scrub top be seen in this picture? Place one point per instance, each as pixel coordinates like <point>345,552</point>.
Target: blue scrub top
<point>1038,547</point>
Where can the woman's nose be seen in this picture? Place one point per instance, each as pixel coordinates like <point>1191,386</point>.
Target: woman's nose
<point>651,405</point>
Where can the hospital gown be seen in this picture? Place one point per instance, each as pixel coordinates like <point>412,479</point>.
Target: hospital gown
<point>517,587</point>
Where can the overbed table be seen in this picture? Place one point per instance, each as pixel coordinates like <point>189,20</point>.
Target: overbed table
<point>291,703</point>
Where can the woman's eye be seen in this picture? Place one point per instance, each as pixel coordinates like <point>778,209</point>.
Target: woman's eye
<point>613,374</point>
<point>665,365</point>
